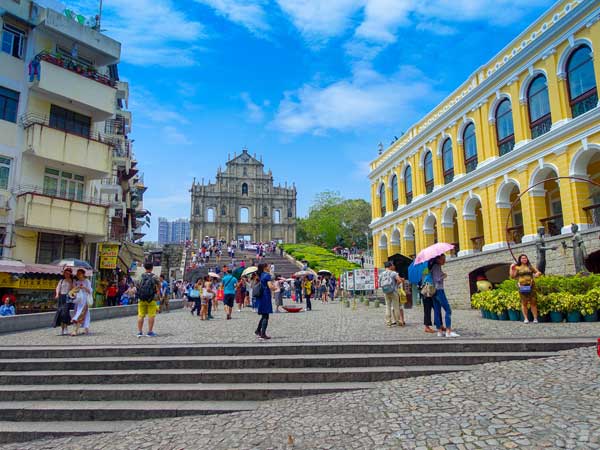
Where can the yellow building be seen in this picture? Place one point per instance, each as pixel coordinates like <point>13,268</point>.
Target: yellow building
<point>63,135</point>
<point>529,115</point>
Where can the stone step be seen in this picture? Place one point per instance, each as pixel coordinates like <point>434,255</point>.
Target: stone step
<point>173,376</point>
<point>28,431</point>
<point>59,410</point>
<point>423,346</point>
<point>265,361</point>
<point>174,392</point>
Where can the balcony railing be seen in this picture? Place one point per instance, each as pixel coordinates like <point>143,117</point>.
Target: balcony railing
<point>25,189</point>
<point>478,242</point>
<point>30,119</point>
<point>593,213</point>
<point>72,65</point>
<point>515,234</point>
<point>553,224</point>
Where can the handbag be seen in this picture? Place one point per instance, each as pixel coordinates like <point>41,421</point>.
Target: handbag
<point>525,289</point>
<point>194,293</point>
<point>403,297</point>
<point>428,290</point>
<point>221,294</point>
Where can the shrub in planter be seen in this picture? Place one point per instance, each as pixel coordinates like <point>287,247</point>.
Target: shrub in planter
<point>514,315</point>
<point>503,315</point>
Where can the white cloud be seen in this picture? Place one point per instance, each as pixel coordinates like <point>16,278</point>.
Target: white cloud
<point>153,32</point>
<point>380,21</point>
<point>145,105</point>
<point>366,99</point>
<point>248,13</point>
<point>319,20</point>
<point>254,111</point>
<point>172,135</point>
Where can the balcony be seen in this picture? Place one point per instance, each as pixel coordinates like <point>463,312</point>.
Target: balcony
<point>48,211</point>
<point>89,155</point>
<point>59,76</point>
<point>66,31</point>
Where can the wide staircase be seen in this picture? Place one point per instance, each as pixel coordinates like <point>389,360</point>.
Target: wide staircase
<point>48,392</point>
<point>283,266</point>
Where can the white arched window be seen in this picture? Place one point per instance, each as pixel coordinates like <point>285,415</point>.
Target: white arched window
<point>244,215</point>
<point>277,216</point>
<point>210,215</point>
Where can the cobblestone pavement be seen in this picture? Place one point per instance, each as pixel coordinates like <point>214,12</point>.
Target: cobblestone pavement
<point>545,403</point>
<point>325,323</point>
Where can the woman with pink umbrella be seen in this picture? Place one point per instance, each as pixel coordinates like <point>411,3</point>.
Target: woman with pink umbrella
<point>435,255</point>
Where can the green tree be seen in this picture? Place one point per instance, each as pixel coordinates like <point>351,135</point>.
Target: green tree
<point>333,220</point>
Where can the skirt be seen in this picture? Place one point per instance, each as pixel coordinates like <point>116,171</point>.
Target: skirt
<point>82,315</point>
<point>62,316</point>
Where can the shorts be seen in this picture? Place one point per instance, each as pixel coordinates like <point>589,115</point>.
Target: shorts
<point>228,300</point>
<point>147,308</point>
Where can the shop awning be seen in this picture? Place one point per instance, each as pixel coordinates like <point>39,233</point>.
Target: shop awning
<point>18,267</point>
<point>128,253</point>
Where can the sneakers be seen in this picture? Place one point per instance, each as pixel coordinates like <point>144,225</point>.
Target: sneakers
<point>535,321</point>
<point>440,334</point>
<point>151,334</point>
<point>452,334</point>
<point>264,336</point>
<point>526,321</point>
<point>140,334</point>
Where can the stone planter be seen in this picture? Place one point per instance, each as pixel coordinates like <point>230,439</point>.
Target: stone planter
<point>574,316</point>
<point>513,315</point>
<point>503,315</point>
<point>556,317</point>
<point>591,317</point>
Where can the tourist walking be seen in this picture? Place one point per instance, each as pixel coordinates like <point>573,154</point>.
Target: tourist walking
<point>298,290</point>
<point>524,272</point>
<point>240,294</point>
<point>164,294</point>
<point>278,293</point>
<point>194,293</point>
<point>440,301</point>
<point>208,293</point>
<point>83,296</point>
<point>390,282</point>
<point>263,293</point>
<point>229,283</point>
<point>62,318</point>
<point>148,291</point>
<point>308,291</point>
<point>332,287</point>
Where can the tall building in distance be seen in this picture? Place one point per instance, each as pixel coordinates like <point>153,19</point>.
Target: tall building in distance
<point>244,204</point>
<point>68,176</point>
<point>173,232</point>
<point>518,125</point>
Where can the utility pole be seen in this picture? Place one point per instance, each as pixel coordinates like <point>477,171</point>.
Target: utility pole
<point>97,26</point>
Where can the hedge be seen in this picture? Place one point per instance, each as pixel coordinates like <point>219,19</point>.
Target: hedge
<point>319,258</point>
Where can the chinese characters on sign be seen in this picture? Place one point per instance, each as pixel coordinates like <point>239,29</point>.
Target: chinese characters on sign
<point>108,256</point>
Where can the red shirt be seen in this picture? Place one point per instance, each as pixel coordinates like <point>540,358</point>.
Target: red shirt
<point>112,291</point>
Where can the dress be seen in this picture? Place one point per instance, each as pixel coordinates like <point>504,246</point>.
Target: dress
<point>82,311</point>
<point>62,315</point>
<point>264,304</point>
<point>525,278</point>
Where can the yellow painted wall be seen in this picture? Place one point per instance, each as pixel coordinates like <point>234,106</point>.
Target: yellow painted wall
<point>491,220</point>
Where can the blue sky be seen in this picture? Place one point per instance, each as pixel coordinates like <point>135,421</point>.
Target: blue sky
<point>311,85</point>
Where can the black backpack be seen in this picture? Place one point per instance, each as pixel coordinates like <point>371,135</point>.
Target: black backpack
<point>147,289</point>
<point>257,290</point>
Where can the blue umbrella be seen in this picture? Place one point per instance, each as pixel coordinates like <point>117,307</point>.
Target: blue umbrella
<point>415,272</point>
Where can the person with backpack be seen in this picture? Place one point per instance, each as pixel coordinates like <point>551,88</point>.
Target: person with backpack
<point>390,281</point>
<point>148,290</point>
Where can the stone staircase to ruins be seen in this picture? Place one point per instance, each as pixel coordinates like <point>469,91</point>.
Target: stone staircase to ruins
<point>48,392</point>
<point>283,266</point>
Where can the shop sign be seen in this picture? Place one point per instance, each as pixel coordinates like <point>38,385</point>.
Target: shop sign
<point>108,255</point>
<point>7,281</point>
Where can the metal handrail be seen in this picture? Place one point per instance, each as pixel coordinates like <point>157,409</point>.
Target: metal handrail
<point>25,189</point>
<point>73,65</point>
<point>29,119</point>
